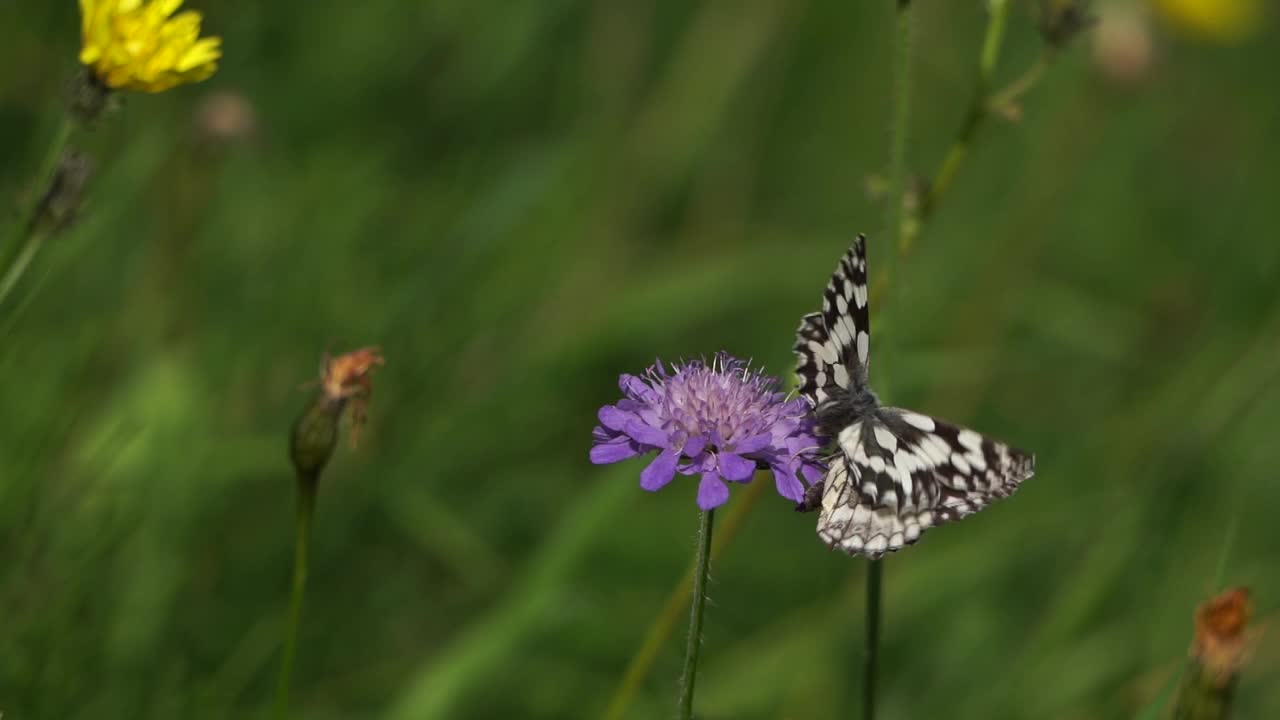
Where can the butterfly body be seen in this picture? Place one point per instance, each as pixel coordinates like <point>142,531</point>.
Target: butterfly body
<point>894,473</point>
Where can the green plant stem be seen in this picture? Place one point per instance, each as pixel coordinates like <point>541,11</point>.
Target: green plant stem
<point>13,270</point>
<point>699,604</point>
<point>664,624</point>
<point>874,571</point>
<point>306,510</point>
<point>897,235</point>
<point>979,106</point>
<point>24,239</point>
<point>898,126</point>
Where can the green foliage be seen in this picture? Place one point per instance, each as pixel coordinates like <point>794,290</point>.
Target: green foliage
<point>517,204</point>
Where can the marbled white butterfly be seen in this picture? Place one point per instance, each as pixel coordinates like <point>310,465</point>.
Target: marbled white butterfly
<point>896,473</point>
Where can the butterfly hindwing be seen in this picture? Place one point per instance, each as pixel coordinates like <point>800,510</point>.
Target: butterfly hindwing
<point>832,346</point>
<point>899,472</point>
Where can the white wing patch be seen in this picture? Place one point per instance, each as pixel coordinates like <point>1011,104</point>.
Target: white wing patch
<point>918,421</point>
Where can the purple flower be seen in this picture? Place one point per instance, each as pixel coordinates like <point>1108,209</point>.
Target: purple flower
<point>720,421</point>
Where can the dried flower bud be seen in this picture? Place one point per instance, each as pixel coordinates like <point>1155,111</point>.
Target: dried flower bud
<point>345,381</point>
<point>1220,643</point>
<point>1062,20</point>
<point>349,377</point>
<point>1219,651</point>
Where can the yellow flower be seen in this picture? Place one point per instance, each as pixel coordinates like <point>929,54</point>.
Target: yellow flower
<point>1220,20</point>
<point>136,45</point>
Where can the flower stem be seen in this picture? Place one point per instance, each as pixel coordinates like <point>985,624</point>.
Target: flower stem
<point>695,616</point>
<point>25,239</point>
<point>14,269</point>
<point>874,571</point>
<point>306,510</point>
<point>665,623</point>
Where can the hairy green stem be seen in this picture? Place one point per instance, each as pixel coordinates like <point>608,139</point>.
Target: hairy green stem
<point>25,239</point>
<point>306,510</point>
<point>694,644</point>
<point>664,624</point>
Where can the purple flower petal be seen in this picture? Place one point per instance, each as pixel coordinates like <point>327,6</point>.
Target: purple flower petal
<point>660,471</point>
<point>614,450</point>
<point>712,492</point>
<point>649,416</point>
<point>694,445</point>
<point>788,486</point>
<point>614,418</point>
<point>753,444</point>
<point>636,388</point>
<point>812,472</point>
<point>735,467</point>
<point>797,444</point>
<point>645,434</point>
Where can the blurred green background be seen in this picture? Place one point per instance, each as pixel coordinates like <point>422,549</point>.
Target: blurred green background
<point>518,201</point>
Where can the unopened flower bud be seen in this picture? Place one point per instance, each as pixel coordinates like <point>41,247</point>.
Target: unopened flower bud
<point>315,435</point>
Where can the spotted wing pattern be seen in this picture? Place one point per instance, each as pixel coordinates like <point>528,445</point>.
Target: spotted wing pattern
<point>832,346</point>
<point>899,473</point>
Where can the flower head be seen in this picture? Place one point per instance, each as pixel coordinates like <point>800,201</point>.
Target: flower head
<point>721,421</point>
<point>137,45</point>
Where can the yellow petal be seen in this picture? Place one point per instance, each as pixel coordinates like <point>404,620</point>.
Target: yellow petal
<point>1221,20</point>
<point>205,51</point>
<point>145,46</point>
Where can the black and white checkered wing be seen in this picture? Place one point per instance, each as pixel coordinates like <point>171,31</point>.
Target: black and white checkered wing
<point>832,346</point>
<point>899,473</point>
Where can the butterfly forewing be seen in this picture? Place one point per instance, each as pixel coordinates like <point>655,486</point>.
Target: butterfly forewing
<point>832,346</point>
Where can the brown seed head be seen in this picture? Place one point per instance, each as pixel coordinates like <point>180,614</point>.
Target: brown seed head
<point>1221,643</point>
